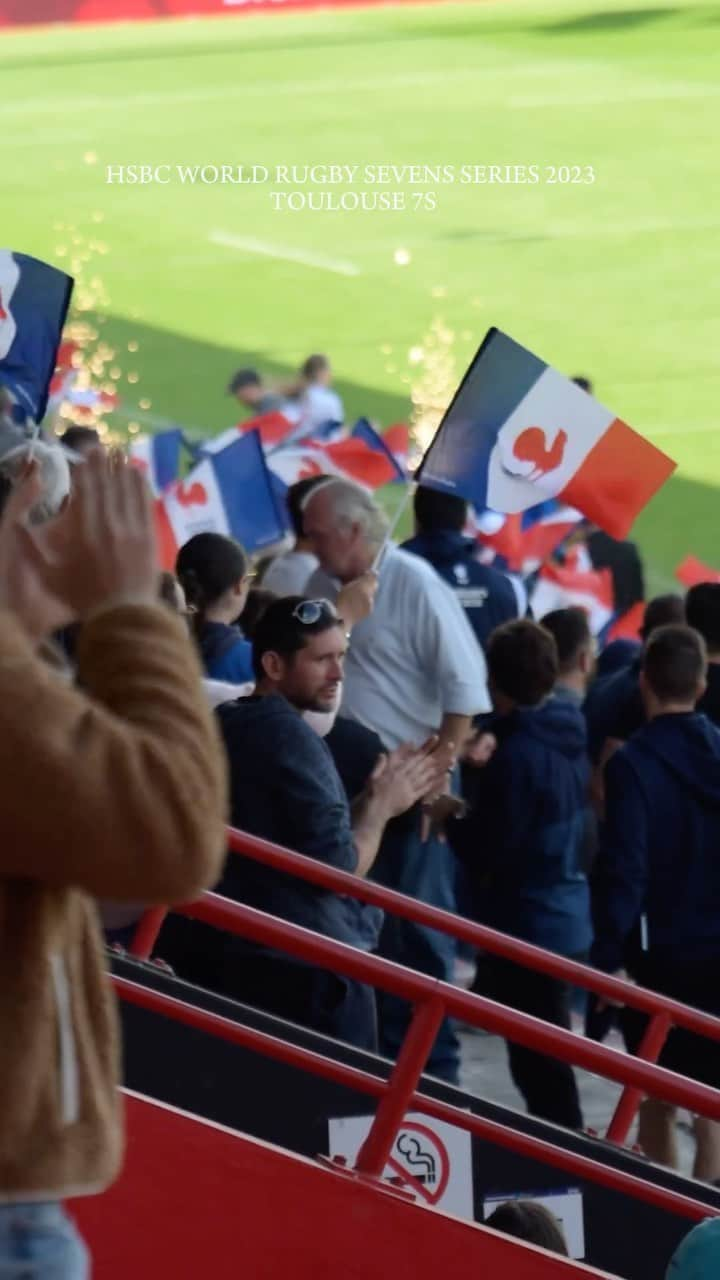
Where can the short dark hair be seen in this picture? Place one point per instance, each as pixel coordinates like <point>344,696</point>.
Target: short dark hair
<point>702,607</point>
<point>675,663</point>
<point>437,510</point>
<point>313,366</point>
<point>243,378</point>
<point>76,437</point>
<point>207,566</point>
<point>583,383</point>
<point>530,1221</point>
<point>663,611</point>
<point>571,630</point>
<point>523,661</point>
<point>295,500</point>
<point>281,631</point>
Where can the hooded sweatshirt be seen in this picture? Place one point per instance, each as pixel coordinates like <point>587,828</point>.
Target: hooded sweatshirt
<point>523,842</point>
<point>660,845</point>
<point>225,653</point>
<point>488,597</point>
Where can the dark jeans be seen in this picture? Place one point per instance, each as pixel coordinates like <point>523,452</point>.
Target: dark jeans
<point>425,871</point>
<point>315,998</point>
<point>547,1085</point>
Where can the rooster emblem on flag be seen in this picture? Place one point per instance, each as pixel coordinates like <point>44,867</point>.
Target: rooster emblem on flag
<point>531,450</point>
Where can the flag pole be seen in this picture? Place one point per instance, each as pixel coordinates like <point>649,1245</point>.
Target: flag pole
<point>400,512</point>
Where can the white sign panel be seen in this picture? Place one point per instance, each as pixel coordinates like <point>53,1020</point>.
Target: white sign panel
<point>431,1159</point>
<point>565,1206</point>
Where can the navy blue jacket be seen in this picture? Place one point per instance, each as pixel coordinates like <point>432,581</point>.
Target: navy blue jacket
<point>487,596</point>
<point>524,841</point>
<point>285,787</point>
<point>614,706</point>
<point>225,653</point>
<point>660,845</point>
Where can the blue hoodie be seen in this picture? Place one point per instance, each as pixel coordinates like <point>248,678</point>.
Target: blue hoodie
<point>488,597</point>
<point>660,844</point>
<point>225,653</point>
<point>524,840</point>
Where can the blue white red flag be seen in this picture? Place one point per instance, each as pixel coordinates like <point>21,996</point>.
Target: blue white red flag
<point>158,456</point>
<point>574,583</point>
<point>517,433</point>
<point>364,430</point>
<point>34,298</point>
<point>229,492</point>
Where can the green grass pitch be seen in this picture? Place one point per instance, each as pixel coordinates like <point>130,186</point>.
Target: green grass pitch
<point>617,279</point>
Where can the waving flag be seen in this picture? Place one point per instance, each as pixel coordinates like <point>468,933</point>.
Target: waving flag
<point>518,432</point>
<point>543,528</point>
<point>560,586</point>
<point>691,571</point>
<point>34,298</point>
<point>159,457</point>
<point>228,492</point>
<point>364,430</point>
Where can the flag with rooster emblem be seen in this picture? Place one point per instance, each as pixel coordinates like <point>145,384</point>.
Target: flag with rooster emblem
<point>518,433</point>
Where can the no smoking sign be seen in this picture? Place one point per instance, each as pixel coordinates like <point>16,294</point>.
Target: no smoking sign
<point>431,1159</point>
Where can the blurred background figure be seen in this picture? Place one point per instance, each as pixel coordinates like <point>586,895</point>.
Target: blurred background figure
<point>318,404</point>
<point>289,573</point>
<point>527,1220</point>
<point>213,571</point>
<point>252,394</point>
<point>80,440</point>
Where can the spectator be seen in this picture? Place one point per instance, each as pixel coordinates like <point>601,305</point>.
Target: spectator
<point>284,787</point>
<point>413,669</point>
<point>527,1220</point>
<point>522,844</point>
<point>258,600</point>
<point>702,608</point>
<point>53,477</point>
<point>698,1257</point>
<point>614,706</point>
<point>487,596</point>
<point>248,389</point>
<point>214,574</point>
<point>80,440</point>
<point>289,574</point>
<point>319,406</point>
<point>616,656</point>
<point>656,886</point>
<point>622,558</point>
<point>576,652</point>
<point>133,807</point>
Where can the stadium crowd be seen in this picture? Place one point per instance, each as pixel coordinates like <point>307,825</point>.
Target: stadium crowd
<point>392,711</point>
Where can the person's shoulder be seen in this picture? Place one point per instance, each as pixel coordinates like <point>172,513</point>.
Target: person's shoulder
<point>407,566</point>
<point>269,718</point>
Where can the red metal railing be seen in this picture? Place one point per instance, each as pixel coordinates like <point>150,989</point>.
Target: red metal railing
<point>663,1013</point>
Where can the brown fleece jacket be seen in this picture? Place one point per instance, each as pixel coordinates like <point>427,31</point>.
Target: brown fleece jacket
<point>116,792</point>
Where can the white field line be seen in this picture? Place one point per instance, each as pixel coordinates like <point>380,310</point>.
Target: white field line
<point>284,253</point>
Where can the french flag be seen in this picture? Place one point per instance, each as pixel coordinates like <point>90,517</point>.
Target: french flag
<point>158,456</point>
<point>352,459</point>
<point>543,529</point>
<point>392,444</point>
<point>34,298</point>
<point>560,586</point>
<point>518,433</point>
<point>229,492</point>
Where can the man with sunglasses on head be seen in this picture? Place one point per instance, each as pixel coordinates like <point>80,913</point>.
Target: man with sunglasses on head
<point>285,787</point>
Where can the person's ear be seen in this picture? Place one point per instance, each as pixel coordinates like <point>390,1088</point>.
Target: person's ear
<point>273,666</point>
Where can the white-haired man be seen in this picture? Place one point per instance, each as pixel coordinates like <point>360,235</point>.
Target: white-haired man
<point>414,668</point>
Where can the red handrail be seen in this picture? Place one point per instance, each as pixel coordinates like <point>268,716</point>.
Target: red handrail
<point>663,1011</point>
<point>375,1086</point>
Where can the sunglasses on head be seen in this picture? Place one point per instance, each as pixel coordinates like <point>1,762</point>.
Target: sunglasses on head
<point>308,612</point>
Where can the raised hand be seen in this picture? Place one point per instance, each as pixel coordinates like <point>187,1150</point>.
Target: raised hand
<point>22,590</point>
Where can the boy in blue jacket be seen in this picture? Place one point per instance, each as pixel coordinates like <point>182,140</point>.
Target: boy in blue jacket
<point>523,845</point>
<point>656,885</point>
